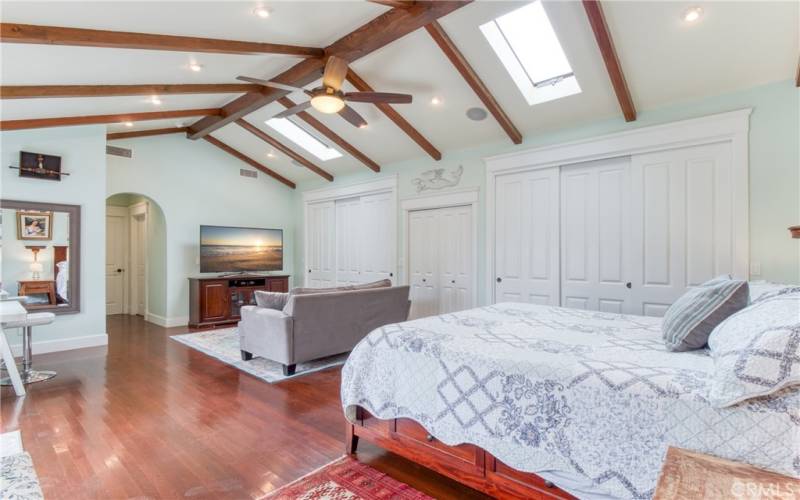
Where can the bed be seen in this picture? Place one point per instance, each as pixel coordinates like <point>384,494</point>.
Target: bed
<point>586,401</point>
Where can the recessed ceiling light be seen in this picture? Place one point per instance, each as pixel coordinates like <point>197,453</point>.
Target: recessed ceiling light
<point>261,12</point>
<point>363,125</point>
<point>271,154</point>
<point>196,67</point>
<point>129,124</point>
<point>179,124</point>
<point>476,114</point>
<point>436,101</point>
<point>155,100</point>
<point>693,14</point>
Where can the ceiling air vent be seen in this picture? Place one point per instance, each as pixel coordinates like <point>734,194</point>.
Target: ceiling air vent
<point>116,151</point>
<point>248,173</point>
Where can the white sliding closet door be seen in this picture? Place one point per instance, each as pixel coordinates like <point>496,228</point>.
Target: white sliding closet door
<point>378,229</point>
<point>348,241</point>
<point>527,237</point>
<point>441,260</point>
<point>682,210</point>
<point>321,245</point>
<point>595,236</point>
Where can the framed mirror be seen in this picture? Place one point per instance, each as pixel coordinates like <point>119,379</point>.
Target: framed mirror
<point>40,252</point>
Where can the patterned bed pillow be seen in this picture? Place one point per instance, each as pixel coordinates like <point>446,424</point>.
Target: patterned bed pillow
<point>756,351</point>
<point>760,290</point>
<point>689,321</point>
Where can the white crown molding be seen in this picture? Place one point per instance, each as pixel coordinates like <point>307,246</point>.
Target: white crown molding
<point>695,131</point>
<point>385,183</point>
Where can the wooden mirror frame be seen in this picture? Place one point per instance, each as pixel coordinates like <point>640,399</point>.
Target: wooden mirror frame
<point>74,211</point>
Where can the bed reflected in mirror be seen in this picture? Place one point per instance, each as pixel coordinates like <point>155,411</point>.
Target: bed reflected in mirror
<point>40,255</point>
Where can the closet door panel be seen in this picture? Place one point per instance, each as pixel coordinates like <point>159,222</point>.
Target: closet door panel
<point>348,241</point>
<point>424,292</point>
<point>526,237</point>
<point>455,258</point>
<point>377,237</point>
<point>321,245</point>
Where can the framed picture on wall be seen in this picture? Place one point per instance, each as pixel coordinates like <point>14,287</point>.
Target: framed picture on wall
<point>34,225</point>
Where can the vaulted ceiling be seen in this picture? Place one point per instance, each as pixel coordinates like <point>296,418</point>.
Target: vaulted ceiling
<point>736,45</point>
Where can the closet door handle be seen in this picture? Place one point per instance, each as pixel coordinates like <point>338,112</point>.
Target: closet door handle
<point>499,280</point>
<point>424,280</point>
<point>628,285</point>
<point>453,281</point>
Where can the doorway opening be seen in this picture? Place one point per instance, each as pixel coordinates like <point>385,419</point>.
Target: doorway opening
<point>135,256</point>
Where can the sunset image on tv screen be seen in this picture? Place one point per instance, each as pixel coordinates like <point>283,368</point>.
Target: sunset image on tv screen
<point>236,249</point>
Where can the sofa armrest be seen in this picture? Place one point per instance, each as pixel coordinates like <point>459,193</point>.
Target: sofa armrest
<point>267,333</point>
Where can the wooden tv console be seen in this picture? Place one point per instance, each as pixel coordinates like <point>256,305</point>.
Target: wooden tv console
<point>466,463</point>
<point>216,301</point>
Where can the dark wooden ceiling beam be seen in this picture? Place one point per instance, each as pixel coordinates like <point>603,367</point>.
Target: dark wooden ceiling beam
<point>332,136</point>
<point>39,91</point>
<point>283,149</point>
<point>373,35</point>
<point>55,35</point>
<point>393,115</point>
<point>144,133</point>
<point>243,157</point>
<point>473,80</point>
<point>597,20</point>
<point>395,4</point>
<point>100,119</point>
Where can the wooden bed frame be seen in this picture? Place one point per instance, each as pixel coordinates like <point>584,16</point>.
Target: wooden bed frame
<point>465,463</point>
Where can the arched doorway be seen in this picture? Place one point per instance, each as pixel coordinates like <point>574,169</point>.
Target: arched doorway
<point>135,256</point>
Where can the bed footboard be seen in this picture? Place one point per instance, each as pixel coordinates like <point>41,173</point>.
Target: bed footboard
<point>465,463</point>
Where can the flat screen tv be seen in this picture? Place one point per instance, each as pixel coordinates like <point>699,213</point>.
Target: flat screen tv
<point>226,249</point>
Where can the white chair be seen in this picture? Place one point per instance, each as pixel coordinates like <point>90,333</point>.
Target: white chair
<point>28,374</point>
<point>11,366</point>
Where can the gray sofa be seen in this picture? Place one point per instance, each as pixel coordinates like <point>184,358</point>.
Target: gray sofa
<point>313,325</point>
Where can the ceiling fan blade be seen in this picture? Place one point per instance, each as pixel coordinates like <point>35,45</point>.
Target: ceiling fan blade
<point>293,110</point>
<point>351,116</point>
<point>268,83</point>
<point>335,72</point>
<point>386,97</point>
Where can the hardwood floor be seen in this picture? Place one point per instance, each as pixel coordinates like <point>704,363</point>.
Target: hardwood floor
<point>147,417</point>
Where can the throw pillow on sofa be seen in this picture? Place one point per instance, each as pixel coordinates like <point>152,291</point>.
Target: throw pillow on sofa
<point>691,319</point>
<point>756,351</point>
<point>271,300</point>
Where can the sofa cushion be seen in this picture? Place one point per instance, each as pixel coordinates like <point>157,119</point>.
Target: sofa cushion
<point>307,291</point>
<point>689,321</point>
<point>271,300</point>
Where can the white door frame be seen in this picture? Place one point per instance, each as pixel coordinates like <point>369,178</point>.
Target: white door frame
<point>124,213</point>
<point>464,197</point>
<point>136,211</point>
<point>733,127</point>
<point>387,184</point>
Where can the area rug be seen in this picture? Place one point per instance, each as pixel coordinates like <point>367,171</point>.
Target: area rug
<point>346,479</point>
<point>223,344</point>
<point>18,480</point>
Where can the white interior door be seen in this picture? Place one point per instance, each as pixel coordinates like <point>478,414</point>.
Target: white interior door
<point>116,243</point>
<point>321,245</point>
<point>682,211</point>
<point>138,264</point>
<point>595,236</point>
<point>423,278</point>
<point>527,237</point>
<point>378,237</point>
<point>348,241</point>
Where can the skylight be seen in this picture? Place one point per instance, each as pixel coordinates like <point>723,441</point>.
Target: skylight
<point>303,139</point>
<point>528,47</point>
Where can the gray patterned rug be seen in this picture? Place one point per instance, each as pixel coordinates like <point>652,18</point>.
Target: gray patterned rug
<point>18,480</point>
<point>223,344</point>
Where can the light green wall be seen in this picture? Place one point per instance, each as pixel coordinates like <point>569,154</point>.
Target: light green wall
<point>156,249</point>
<point>774,171</point>
<point>82,152</point>
<point>195,183</point>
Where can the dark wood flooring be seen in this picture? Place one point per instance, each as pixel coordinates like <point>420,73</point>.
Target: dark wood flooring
<point>147,417</point>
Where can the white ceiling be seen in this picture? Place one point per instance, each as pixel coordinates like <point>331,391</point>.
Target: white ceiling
<point>735,45</point>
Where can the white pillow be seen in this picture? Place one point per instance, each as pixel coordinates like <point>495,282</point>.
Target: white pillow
<point>757,350</point>
<point>763,289</point>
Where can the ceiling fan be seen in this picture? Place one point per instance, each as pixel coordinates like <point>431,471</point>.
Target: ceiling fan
<point>329,98</point>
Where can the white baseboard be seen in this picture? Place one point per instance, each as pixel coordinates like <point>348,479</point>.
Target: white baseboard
<point>45,346</point>
<point>166,322</point>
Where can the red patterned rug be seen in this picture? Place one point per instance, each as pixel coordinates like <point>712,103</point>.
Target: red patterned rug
<point>346,479</point>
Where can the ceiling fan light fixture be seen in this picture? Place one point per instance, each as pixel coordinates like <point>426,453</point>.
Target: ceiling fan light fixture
<point>326,103</point>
